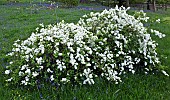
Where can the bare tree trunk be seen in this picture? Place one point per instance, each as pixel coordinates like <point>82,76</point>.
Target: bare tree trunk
<point>148,4</point>
<point>154,5</point>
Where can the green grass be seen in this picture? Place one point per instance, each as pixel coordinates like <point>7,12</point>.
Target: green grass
<point>18,22</point>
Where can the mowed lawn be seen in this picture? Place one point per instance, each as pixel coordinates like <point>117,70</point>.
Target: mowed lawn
<point>19,21</point>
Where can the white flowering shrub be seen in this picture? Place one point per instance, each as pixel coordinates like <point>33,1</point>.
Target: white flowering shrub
<point>106,44</point>
<point>57,53</point>
<point>122,42</point>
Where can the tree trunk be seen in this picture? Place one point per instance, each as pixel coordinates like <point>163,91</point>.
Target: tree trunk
<point>148,5</point>
<point>127,3</point>
<point>154,5</point>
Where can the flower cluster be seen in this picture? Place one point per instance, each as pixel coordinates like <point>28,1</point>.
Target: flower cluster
<point>106,44</point>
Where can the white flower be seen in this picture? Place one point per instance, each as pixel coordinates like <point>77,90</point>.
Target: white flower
<point>41,47</point>
<point>16,49</point>
<point>27,57</point>
<point>92,81</point>
<point>146,69</point>
<point>60,54</point>
<point>41,67</point>
<point>60,67</point>
<point>145,63</point>
<point>24,82</point>
<point>116,82</point>
<point>28,71</point>
<point>10,54</point>
<point>63,79</point>
<point>51,78</point>
<point>72,60</point>
<point>28,50</point>
<point>158,20</point>
<point>89,81</point>
<point>39,60</point>
<point>24,67</point>
<point>26,79</point>
<point>113,65</point>
<point>20,73</point>
<point>133,71</point>
<point>157,33</point>
<point>7,72</point>
<point>87,71</point>
<point>165,73</point>
<point>35,74</point>
<point>90,76</point>
<point>42,25</point>
<point>9,80</point>
<point>11,62</point>
<point>110,56</point>
<point>117,43</point>
<point>49,70</point>
<point>49,38</point>
<point>88,64</point>
<point>57,43</point>
<point>160,35</point>
<point>88,59</point>
<point>89,50</point>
